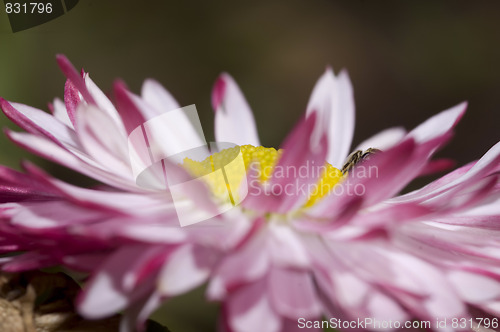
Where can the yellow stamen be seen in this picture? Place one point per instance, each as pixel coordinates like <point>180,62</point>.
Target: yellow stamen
<point>263,161</point>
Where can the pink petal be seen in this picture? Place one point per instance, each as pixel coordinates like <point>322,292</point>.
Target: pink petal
<point>71,100</point>
<point>130,113</point>
<point>439,165</point>
<point>299,154</point>
<point>16,186</point>
<point>73,75</point>
<point>234,121</point>
<point>293,293</point>
<point>28,261</point>
<point>391,175</point>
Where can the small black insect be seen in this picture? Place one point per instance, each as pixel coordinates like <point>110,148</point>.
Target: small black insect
<point>356,157</point>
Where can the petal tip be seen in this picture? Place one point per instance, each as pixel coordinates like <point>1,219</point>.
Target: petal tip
<point>219,91</point>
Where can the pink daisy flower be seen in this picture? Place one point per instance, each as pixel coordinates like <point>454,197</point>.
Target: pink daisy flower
<point>330,246</point>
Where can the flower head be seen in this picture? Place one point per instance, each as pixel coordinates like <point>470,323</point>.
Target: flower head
<point>312,237</point>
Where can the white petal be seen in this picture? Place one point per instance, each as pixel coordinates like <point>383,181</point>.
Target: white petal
<point>102,298</point>
<point>475,288</point>
<point>333,99</point>
<point>286,247</point>
<point>61,113</point>
<point>234,121</point>
<point>160,99</point>
<point>103,102</point>
<point>438,124</point>
<point>182,273</point>
<point>383,140</point>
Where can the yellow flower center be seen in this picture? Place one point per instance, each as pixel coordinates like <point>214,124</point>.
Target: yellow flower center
<point>263,162</point>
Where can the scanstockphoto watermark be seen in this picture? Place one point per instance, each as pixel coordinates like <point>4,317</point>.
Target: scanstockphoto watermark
<point>307,179</point>
<point>363,323</point>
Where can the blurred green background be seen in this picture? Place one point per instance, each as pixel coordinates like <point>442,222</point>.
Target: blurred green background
<point>407,60</point>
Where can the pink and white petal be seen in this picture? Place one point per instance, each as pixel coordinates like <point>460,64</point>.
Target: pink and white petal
<point>392,172</point>
<point>462,196</point>
<point>234,120</point>
<point>39,122</point>
<point>130,113</point>
<point>103,102</point>
<point>484,166</point>
<point>383,140</point>
<point>383,308</point>
<point>72,74</point>
<point>350,291</point>
<point>332,98</point>
<point>462,176</point>
<point>293,294</point>
<point>17,186</point>
<point>104,294</point>
<point>387,215</point>
<point>184,271</point>
<point>138,313</point>
<point>442,300</point>
<point>391,178</point>
<point>102,139</point>
<point>158,97</point>
<point>47,214</point>
<point>298,154</point>
<point>246,264</point>
<point>28,261</point>
<point>490,209</point>
<point>286,247</point>
<point>83,262</point>
<point>249,309</point>
<point>433,186</point>
<point>474,288</point>
<point>438,124</point>
<point>43,147</point>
